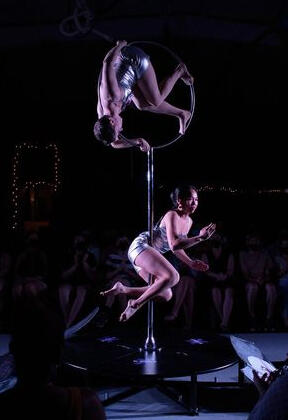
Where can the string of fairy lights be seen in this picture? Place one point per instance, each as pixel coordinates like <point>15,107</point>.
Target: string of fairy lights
<point>234,190</point>
<point>19,186</point>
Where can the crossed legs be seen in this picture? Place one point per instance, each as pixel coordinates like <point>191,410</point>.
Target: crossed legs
<point>164,277</point>
<point>149,96</point>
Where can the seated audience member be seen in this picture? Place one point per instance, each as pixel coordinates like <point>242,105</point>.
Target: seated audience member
<point>117,269</point>
<point>256,266</point>
<point>281,262</point>
<point>221,275</point>
<point>77,278</point>
<point>183,293</point>
<point>31,268</point>
<point>37,342</point>
<point>5,271</point>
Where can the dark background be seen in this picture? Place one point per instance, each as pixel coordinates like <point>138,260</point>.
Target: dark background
<point>236,52</point>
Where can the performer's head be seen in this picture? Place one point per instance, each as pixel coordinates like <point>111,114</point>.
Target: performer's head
<point>253,241</point>
<point>107,129</point>
<point>185,198</point>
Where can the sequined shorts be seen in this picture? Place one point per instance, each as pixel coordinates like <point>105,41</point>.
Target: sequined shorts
<point>133,64</point>
<point>137,246</point>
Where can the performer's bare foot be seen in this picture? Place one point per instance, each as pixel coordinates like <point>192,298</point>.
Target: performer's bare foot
<point>129,311</point>
<point>185,75</point>
<point>183,120</point>
<point>115,290</point>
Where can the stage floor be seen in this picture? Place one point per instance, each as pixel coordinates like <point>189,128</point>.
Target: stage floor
<point>151,403</point>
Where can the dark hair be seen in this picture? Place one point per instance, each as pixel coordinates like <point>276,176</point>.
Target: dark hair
<point>181,192</point>
<point>104,131</point>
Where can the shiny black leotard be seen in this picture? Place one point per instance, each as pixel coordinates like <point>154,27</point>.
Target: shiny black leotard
<point>130,67</point>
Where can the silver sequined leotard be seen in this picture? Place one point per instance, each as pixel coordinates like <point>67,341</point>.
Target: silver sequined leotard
<point>160,243</point>
<point>131,65</point>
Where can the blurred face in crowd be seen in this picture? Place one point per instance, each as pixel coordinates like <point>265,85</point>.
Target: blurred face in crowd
<point>253,242</point>
<point>284,246</point>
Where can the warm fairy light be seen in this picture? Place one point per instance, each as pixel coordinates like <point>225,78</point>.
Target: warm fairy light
<point>209,188</point>
<point>17,185</point>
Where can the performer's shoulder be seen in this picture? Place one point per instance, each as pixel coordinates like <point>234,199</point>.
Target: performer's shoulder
<point>170,214</point>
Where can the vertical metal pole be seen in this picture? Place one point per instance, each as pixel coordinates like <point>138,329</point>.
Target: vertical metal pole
<point>150,344</point>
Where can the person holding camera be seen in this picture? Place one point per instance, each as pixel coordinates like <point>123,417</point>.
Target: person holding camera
<point>77,278</point>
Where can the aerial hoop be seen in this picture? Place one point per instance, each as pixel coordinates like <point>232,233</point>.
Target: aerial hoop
<point>191,88</point>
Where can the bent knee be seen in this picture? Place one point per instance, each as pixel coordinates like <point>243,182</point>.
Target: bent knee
<point>175,278</point>
<point>155,102</point>
<point>252,287</point>
<point>166,295</point>
<point>270,287</point>
<point>171,278</point>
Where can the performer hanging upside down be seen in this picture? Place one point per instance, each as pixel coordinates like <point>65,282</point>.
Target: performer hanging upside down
<point>170,234</point>
<point>128,75</point>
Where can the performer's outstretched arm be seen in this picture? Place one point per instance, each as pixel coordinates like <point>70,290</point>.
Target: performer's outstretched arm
<point>194,264</point>
<point>176,243</point>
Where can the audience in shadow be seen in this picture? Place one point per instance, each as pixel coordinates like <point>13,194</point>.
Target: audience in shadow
<point>183,294</point>
<point>5,273</point>
<point>37,343</point>
<point>281,263</point>
<point>221,275</point>
<point>77,278</point>
<point>256,269</point>
<point>31,268</point>
<point>116,269</point>
<point>273,391</point>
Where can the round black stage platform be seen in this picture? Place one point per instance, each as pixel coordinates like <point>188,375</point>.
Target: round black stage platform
<point>120,354</point>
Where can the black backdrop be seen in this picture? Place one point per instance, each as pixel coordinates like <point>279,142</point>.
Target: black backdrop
<point>237,136</point>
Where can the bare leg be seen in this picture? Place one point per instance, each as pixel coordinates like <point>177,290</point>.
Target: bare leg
<point>120,288</point>
<point>179,292</point>
<point>168,109</point>
<point>164,108</point>
<point>118,291</point>
<point>271,296</point>
<point>217,300</point>
<point>149,88</point>
<point>164,274</point>
<point>189,303</point>
<point>227,306</point>
<point>34,287</point>
<point>77,305</point>
<point>122,302</point>
<point>283,290</point>
<point>251,295</point>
